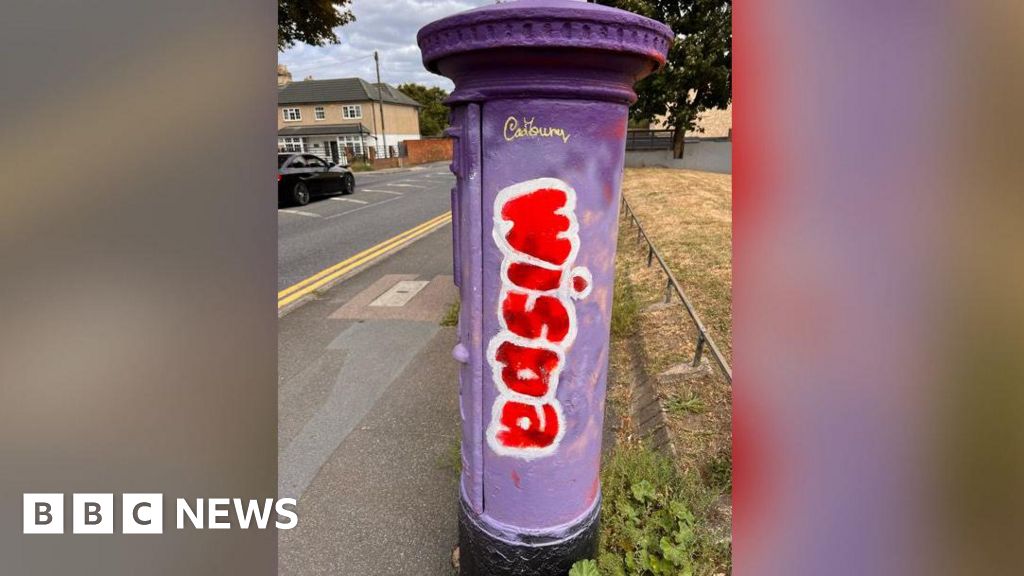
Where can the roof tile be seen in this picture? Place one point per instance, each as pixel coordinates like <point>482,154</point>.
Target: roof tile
<point>339,90</point>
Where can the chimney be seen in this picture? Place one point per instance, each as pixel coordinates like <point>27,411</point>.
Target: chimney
<point>283,75</point>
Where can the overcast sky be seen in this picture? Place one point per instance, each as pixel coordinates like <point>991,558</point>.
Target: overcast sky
<point>388,26</point>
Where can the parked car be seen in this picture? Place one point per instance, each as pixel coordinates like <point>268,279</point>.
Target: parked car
<point>301,177</point>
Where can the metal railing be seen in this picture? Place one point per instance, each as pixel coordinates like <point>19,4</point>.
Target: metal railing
<point>649,139</point>
<point>640,140</point>
<point>671,285</point>
<point>343,154</point>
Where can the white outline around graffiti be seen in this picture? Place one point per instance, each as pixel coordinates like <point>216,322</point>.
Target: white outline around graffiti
<point>565,293</point>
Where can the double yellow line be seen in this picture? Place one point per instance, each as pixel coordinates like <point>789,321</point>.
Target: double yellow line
<point>327,275</point>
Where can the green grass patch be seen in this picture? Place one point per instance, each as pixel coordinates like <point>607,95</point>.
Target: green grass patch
<point>651,520</point>
<point>451,316</point>
<point>360,167</point>
<point>688,404</point>
<point>717,472</point>
<point>625,308</point>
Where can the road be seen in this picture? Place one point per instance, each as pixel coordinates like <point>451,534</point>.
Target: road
<point>326,231</point>
<point>368,415</point>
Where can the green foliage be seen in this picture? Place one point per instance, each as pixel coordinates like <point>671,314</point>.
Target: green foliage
<point>451,316</point>
<point>310,21</point>
<point>433,114</point>
<point>649,519</point>
<point>691,404</point>
<point>717,473</point>
<point>625,307</point>
<point>585,568</point>
<point>360,166</point>
<point>698,71</point>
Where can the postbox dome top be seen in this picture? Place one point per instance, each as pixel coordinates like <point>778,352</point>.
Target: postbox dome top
<point>544,24</point>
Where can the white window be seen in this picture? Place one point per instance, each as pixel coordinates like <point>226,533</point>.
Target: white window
<point>291,144</point>
<point>319,113</point>
<point>353,142</point>
<point>352,111</point>
<point>291,114</point>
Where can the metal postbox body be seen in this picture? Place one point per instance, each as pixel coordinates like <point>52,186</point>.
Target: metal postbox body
<point>539,117</point>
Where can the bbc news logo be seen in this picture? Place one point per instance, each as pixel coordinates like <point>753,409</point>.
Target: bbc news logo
<point>144,513</point>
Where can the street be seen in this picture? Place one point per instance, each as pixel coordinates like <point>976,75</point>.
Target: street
<point>329,230</point>
<point>368,417</point>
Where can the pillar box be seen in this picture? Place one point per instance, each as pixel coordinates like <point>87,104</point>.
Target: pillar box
<point>538,118</point>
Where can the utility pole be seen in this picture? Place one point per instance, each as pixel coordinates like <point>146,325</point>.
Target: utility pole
<point>380,101</point>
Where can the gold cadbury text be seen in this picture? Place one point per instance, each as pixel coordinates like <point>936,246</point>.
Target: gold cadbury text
<point>515,130</point>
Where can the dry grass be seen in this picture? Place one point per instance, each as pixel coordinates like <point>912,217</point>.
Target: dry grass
<point>647,338</point>
<point>688,217</point>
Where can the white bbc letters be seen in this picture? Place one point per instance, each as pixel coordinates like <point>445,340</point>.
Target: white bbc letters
<point>142,513</point>
<point>92,514</point>
<point>42,514</point>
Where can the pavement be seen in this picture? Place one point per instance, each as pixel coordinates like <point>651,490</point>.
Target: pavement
<point>329,230</point>
<point>368,392</point>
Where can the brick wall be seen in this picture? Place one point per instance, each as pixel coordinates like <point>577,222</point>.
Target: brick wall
<point>430,150</point>
<point>382,163</point>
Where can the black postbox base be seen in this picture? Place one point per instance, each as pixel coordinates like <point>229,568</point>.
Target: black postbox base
<point>484,554</point>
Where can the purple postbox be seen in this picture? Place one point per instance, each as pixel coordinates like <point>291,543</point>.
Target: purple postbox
<point>539,116</point>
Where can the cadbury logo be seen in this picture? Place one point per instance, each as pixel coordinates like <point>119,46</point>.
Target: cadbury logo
<point>514,130</point>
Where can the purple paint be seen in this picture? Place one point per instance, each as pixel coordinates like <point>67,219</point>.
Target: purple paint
<point>542,90</point>
<point>562,487</point>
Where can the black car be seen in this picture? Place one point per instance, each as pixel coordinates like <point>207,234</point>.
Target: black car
<point>303,176</point>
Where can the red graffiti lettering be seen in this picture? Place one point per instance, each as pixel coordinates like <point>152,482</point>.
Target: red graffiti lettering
<point>528,425</point>
<point>526,370</point>
<point>580,284</point>
<point>547,318</point>
<point>533,277</point>
<point>536,227</point>
<point>536,231</point>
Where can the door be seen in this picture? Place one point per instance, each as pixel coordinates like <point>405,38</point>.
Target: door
<point>297,171</point>
<point>321,180</point>
<point>334,151</point>
<point>468,233</point>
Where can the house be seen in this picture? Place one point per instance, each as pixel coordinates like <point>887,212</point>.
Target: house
<point>716,123</point>
<point>283,75</point>
<point>331,117</point>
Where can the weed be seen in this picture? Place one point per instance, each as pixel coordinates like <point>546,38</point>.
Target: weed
<point>717,472</point>
<point>360,167</point>
<point>651,519</point>
<point>585,568</point>
<point>625,308</point>
<point>451,317</point>
<point>691,404</point>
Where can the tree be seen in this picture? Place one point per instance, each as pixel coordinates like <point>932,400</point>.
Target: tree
<point>310,21</point>
<point>433,114</point>
<point>698,72</point>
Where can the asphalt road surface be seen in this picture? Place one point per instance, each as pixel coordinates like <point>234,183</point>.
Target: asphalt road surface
<point>329,230</point>
<point>368,421</point>
<point>368,417</point>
